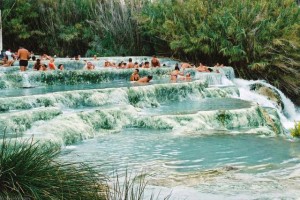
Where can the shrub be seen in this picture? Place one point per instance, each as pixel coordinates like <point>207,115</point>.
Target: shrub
<point>295,132</point>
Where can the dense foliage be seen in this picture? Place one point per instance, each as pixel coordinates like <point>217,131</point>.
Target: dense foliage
<point>259,38</point>
<point>48,26</point>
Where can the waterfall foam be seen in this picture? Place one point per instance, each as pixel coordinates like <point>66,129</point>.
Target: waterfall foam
<point>289,109</point>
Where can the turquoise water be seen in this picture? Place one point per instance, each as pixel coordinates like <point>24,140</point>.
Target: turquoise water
<point>194,139</point>
<point>189,107</point>
<point>133,148</point>
<point>214,164</point>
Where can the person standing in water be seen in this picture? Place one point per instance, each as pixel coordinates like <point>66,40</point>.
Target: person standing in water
<point>23,56</point>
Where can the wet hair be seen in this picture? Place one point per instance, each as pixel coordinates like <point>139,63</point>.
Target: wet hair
<point>147,63</point>
<point>44,65</point>
<point>59,66</point>
<point>38,60</point>
<point>136,63</point>
<point>154,56</point>
<point>124,63</point>
<point>137,70</point>
<point>150,77</point>
<point>120,64</point>
<point>130,60</point>
<point>164,65</point>
<point>177,68</point>
<point>209,69</point>
<point>6,57</point>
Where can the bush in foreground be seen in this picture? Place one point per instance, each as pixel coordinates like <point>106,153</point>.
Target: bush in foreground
<point>295,132</point>
<point>31,170</point>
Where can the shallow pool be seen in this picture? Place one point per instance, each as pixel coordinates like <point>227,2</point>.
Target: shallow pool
<point>202,164</point>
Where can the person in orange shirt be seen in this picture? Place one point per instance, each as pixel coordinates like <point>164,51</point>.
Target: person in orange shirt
<point>51,64</point>
<point>23,55</point>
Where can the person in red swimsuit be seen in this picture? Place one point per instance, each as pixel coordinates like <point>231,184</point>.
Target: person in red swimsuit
<point>51,64</point>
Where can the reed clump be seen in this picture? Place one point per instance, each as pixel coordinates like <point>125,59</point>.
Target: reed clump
<point>31,170</point>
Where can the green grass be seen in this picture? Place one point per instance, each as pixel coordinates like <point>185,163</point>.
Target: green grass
<point>31,170</point>
<point>130,189</point>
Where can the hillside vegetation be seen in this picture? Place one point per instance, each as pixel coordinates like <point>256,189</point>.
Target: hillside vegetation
<point>259,38</point>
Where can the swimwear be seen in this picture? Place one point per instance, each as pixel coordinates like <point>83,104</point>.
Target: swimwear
<point>23,63</point>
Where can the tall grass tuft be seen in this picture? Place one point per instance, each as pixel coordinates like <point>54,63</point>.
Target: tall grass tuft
<point>31,170</point>
<point>130,189</point>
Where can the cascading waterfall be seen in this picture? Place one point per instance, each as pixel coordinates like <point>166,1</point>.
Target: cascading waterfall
<point>25,78</point>
<point>288,110</point>
<point>210,78</point>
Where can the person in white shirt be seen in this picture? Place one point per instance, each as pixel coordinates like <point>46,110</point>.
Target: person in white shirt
<point>8,54</point>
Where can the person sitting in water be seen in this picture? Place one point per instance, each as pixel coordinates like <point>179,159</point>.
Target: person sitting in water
<point>146,65</point>
<point>89,66</point>
<point>202,68</point>
<point>145,79</point>
<point>37,65</point>
<point>217,65</point>
<point>120,65</point>
<point>77,57</point>
<point>130,63</point>
<point>187,77</point>
<point>61,67</point>
<point>175,73</point>
<point>108,64</point>
<point>43,67</point>
<point>185,65</point>
<point>135,76</point>
<point>155,62</point>
<point>51,64</point>
<point>6,62</point>
<point>136,65</point>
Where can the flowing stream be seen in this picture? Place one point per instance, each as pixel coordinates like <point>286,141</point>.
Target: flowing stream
<point>215,137</point>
